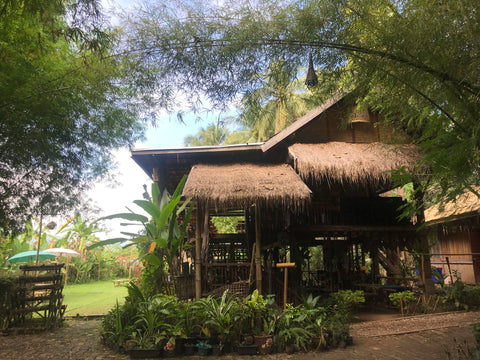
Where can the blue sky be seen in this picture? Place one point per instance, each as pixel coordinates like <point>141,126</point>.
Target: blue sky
<point>130,178</point>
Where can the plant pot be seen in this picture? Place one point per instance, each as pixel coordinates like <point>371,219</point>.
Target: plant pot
<point>247,349</point>
<point>189,349</point>
<point>204,349</point>
<point>264,343</point>
<point>136,353</point>
<point>169,353</point>
<point>180,345</point>
<point>216,350</point>
<point>226,347</point>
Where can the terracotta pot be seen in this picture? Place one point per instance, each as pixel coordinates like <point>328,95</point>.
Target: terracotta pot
<point>264,343</point>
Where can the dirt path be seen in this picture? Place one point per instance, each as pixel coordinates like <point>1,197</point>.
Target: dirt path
<point>422,337</point>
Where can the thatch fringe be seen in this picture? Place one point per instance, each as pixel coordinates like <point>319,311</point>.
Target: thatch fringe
<point>463,206</point>
<point>241,185</point>
<point>363,164</point>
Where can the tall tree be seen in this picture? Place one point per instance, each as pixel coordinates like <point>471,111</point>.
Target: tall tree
<point>280,100</point>
<point>63,106</point>
<point>214,134</point>
<point>416,61</point>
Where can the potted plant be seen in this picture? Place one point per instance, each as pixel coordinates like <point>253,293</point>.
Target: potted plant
<point>340,317</point>
<point>146,346</point>
<point>264,340</point>
<point>203,348</point>
<point>221,318</point>
<point>319,334</point>
<point>293,334</point>
<point>169,350</point>
<point>114,332</point>
<point>151,331</point>
<point>315,322</point>
<point>246,346</point>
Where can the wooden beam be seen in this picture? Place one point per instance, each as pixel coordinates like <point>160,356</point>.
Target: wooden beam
<point>285,265</point>
<point>258,251</point>
<point>352,228</point>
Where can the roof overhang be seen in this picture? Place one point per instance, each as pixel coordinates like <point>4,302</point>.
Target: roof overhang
<point>464,206</point>
<point>242,185</point>
<point>150,159</point>
<point>353,163</point>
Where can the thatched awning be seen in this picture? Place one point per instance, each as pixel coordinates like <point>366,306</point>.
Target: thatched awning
<point>364,164</point>
<point>465,205</point>
<point>241,185</point>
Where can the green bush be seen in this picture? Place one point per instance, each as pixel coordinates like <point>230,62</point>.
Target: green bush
<point>152,321</point>
<point>459,296</point>
<point>8,300</point>
<point>402,298</point>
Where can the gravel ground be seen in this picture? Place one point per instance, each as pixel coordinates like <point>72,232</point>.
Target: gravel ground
<point>421,337</point>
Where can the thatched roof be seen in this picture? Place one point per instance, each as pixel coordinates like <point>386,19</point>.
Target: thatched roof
<point>241,185</point>
<point>463,206</point>
<point>365,164</point>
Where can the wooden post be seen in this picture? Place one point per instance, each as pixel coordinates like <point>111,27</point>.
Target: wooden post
<point>39,237</point>
<point>198,256</point>
<point>66,271</point>
<point>375,264</point>
<point>258,251</point>
<point>428,284</point>
<point>285,266</point>
<point>423,271</point>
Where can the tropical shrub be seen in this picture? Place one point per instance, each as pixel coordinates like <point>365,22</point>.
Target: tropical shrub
<point>257,314</point>
<point>293,328</point>
<point>156,321</point>
<point>459,296</point>
<point>162,240</point>
<point>403,299</point>
<point>221,316</point>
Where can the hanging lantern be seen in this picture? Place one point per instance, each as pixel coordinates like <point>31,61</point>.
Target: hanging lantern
<point>361,117</point>
<point>311,79</point>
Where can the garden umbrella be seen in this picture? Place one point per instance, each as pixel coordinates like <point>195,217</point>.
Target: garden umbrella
<point>61,251</point>
<point>68,253</point>
<point>29,256</point>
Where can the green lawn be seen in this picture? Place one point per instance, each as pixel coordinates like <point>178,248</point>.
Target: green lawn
<point>94,298</point>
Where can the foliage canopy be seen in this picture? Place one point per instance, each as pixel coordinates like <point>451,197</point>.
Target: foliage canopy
<point>416,61</point>
<point>62,106</point>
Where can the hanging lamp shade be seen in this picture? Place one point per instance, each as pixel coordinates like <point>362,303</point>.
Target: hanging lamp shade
<point>361,117</point>
<point>311,79</point>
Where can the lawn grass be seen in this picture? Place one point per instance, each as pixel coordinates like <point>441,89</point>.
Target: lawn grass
<point>94,298</point>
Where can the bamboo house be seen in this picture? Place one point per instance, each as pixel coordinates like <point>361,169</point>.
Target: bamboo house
<point>309,196</point>
<point>454,232</point>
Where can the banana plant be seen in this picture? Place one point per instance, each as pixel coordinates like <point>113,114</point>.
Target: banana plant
<point>162,230</point>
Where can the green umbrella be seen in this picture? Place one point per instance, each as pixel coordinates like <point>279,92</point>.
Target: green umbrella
<point>30,256</point>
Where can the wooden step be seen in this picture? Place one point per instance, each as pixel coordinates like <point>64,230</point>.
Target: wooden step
<point>40,278</point>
